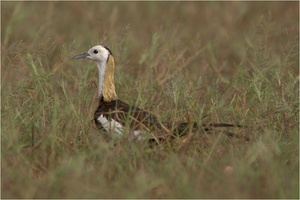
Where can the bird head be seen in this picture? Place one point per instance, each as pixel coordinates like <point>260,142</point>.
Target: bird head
<point>105,63</point>
<point>100,54</point>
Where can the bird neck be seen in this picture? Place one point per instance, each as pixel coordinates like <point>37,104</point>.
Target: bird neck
<point>106,80</point>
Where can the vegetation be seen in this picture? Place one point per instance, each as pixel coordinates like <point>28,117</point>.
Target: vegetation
<point>233,62</point>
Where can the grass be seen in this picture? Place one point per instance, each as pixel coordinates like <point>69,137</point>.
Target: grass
<point>234,62</point>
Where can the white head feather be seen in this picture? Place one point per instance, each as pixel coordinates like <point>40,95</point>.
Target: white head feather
<point>100,55</point>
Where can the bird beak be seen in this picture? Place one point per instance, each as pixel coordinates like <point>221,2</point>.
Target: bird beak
<point>84,55</point>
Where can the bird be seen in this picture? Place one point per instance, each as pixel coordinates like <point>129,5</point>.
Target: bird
<point>117,119</point>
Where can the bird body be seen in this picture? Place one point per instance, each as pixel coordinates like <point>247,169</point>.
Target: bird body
<point>112,114</point>
<point>116,118</point>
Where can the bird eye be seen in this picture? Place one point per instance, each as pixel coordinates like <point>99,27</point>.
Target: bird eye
<point>95,51</point>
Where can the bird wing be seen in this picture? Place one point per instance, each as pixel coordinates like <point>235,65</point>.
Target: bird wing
<point>127,115</point>
<point>139,119</point>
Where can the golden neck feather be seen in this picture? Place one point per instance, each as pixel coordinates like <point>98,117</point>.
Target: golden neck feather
<point>108,85</point>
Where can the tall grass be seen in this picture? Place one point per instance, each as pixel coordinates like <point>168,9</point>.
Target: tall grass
<point>234,62</point>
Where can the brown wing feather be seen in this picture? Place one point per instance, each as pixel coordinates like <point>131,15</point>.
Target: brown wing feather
<point>136,118</point>
<point>139,119</point>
